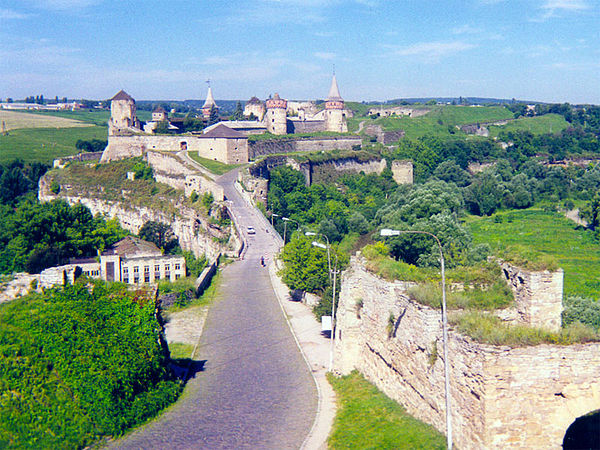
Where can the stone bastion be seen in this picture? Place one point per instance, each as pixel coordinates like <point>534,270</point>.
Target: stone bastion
<point>501,397</point>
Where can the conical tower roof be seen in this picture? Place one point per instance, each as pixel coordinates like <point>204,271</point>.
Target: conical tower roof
<point>210,101</point>
<point>334,92</point>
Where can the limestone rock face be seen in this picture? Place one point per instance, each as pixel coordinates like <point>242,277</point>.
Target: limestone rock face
<point>195,233</point>
<point>501,397</point>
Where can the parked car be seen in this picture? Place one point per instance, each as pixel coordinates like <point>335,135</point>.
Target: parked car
<point>251,230</point>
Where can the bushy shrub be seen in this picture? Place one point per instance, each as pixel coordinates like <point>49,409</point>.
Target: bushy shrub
<point>581,309</point>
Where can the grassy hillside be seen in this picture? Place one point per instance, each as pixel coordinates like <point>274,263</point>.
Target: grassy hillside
<point>46,144</point>
<point>550,233</point>
<point>439,121</point>
<point>548,123</point>
<point>367,418</point>
<point>78,365</point>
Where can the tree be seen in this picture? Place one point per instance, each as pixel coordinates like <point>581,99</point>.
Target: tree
<point>591,213</point>
<point>484,195</point>
<point>160,234</point>
<point>214,115</point>
<point>238,113</point>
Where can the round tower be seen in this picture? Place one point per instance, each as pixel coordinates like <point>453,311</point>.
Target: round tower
<point>123,114</point>
<point>276,117</point>
<point>335,119</point>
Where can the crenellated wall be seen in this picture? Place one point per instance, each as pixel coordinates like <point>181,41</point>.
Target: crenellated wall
<point>501,397</point>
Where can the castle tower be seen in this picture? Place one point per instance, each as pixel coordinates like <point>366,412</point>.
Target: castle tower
<point>123,115</point>
<point>335,119</point>
<point>208,104</point>
<point>159,114</point>
<point>256,107</point>
<point>276,117</point>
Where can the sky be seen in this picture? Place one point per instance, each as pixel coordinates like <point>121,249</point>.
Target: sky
<point>540,50</point>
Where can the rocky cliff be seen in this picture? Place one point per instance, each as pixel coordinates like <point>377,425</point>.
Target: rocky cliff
<point>195,232</point>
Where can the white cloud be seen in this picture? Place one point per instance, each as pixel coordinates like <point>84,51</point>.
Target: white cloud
<point>6,14</point>
<point>325,55</point>
<point>433,50</point>
<point>551,8</point>
<point>65,5</point>
<point>569,5</point>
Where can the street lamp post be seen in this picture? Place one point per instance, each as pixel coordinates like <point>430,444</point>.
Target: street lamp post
<point>389,232</point>
<point>285,221</point>
<point>312,233</point>
<point>273,215</point>
<point>327,247</point>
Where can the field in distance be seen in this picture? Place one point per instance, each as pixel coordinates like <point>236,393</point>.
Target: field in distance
<point>46,135</point>
<point>14,120</point>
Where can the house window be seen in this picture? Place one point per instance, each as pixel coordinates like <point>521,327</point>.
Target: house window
<point>146,274</point>
<point>177,266</point>
<point>156,271</point>
<point>177,276</point>
<point>126,280</point>
<point>136,274</point>
<point>167,270</point>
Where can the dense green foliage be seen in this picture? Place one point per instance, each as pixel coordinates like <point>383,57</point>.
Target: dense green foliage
<point>330,209</point>
<point>161,235</point>
<point>581,309</point>
<point>18,179</point>
<point>78,365</point>
<point>35,236</point>
<point>368,419</point>
<point>95,145</point>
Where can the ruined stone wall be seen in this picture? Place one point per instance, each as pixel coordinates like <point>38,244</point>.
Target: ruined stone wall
<point>261,148</point>
<point>170,169</point>
<point>317,172</point>
<point>538,295</point>
<point>328,171</point>
<point>402,172</point>
<point>501,397</point>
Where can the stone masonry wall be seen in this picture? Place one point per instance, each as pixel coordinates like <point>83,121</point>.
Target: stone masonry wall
<point>402,172</point>
<point>501,397</point>
<point>261,148</point>
<point>170,169</point>
<point>538,295</point>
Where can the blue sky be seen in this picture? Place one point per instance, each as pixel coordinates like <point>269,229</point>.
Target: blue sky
<point>546,50</point>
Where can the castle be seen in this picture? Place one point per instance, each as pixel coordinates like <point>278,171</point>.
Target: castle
<point>224,141</point>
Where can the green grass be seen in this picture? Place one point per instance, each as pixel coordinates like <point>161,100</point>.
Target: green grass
<point>216,167</point>
<point>548,123</point>
<point>95,116</point>
<point>489,329</point>
<point>438,120</point>
<point>179,350</point>
<point>46,144</point>
<point>546,233</point>
<point>108,181</point>
<point>368,419</point>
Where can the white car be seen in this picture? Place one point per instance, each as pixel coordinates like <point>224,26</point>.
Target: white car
<point>250,230</point>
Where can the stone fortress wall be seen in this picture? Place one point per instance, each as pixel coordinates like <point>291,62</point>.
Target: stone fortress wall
<point>502,397</point>
<point>276,146</point>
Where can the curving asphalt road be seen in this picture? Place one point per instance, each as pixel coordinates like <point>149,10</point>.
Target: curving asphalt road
<point>255,389</point>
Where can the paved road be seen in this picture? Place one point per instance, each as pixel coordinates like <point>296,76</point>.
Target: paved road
<point>255,390</point>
